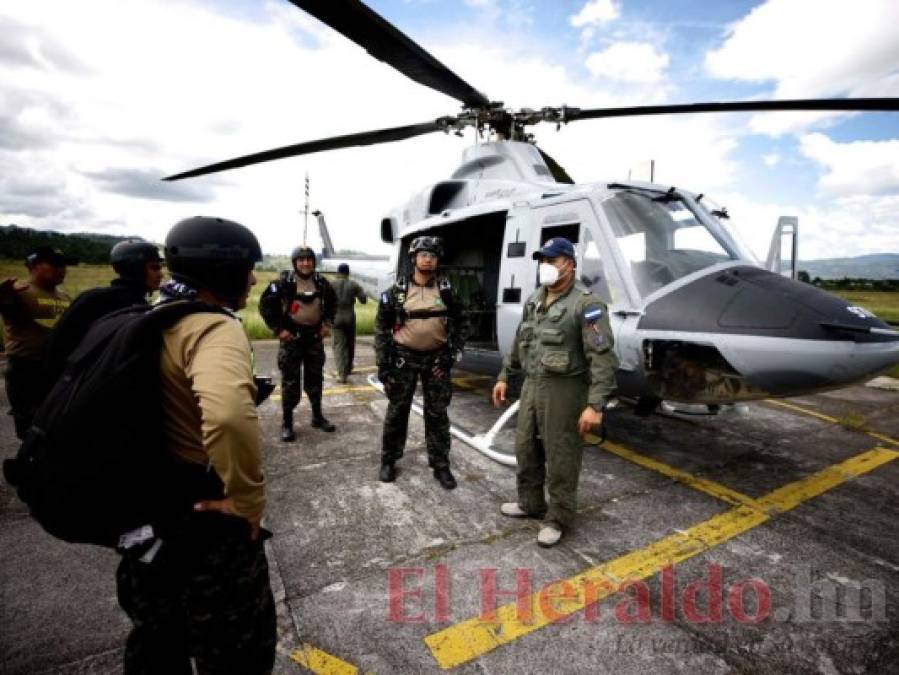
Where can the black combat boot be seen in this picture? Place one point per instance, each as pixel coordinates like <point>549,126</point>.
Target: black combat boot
<point>388,472</point>
<point>445,477</point>
<point>319,421</point>
<point>287,434</point>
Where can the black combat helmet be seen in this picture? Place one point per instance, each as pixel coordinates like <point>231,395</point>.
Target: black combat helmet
<point>430,244</point>
<point>301,252</point>
<point>129,258</point>
<point>213,254</point>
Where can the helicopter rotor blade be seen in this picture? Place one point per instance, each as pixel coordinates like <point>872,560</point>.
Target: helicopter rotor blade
<point>557,170</point>
<point>308,147</point>
<point>387,43</point>
<point>841,104</point>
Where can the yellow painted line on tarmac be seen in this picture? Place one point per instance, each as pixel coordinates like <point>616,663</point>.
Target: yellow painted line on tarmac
<point>470,639</point>
<point>333,391</point>
<point>320,662</point>
<point>704,485</point>
<point>804,411</point>
<point>828,418</point>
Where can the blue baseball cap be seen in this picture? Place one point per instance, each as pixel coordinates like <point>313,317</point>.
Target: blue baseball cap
<point>555,247</point>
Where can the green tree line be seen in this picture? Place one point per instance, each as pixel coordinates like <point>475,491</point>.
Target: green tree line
<point>16,242</point>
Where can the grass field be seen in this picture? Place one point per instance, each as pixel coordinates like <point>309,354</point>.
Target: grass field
<point>884,304</point>
<point>83,277</point>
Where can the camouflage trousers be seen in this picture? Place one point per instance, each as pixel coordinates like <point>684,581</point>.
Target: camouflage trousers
<point>548,447</point>
<point>344,347</point>
<point>206,596</point>
<point>437,394</point>
<point>302,364</point>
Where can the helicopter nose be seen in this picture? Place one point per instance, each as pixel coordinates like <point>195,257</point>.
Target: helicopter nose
<point>783,337</point>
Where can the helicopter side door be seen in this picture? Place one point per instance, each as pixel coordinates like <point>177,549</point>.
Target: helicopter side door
<point>517,273</point>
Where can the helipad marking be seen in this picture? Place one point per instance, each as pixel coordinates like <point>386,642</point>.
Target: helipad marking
<point>321,662</point>
<point>474,637</point>
<point>828,418</point>
<point>704,485</point>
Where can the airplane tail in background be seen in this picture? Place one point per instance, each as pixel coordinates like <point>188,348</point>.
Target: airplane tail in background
<point>372,272</point>
<point>327,244</point>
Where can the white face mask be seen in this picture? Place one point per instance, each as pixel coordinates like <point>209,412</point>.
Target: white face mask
<point>548,274</point>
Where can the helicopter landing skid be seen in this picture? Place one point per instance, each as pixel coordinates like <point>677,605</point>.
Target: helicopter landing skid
<point>483,443</point>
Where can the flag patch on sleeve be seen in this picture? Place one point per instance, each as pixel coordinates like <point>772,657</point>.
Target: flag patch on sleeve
<point>591,315</point>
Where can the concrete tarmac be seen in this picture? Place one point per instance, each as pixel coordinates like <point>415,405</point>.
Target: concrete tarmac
<point>758,541</point>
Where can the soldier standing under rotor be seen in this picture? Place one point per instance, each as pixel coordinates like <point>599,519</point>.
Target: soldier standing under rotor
<point>344,329</point>
<point>300,307</point>
<point>420,331</point>
<point>564,348</point>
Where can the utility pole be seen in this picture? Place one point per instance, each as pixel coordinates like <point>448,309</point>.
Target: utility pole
<point>306,210</point>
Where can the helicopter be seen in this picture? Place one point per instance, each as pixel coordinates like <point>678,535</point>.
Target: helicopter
<point>696,318</point>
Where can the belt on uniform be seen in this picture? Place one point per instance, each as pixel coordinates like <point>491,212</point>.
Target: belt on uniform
<point>304,330</point>
<point>404,354</point>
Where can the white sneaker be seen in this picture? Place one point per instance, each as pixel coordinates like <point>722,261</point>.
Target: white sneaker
<point>513,510</point>
<point>549,535</point>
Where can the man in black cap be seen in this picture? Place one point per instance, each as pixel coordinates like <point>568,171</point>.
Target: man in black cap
<point>344,331</point>
<point>300,307</point>
<point>139,267</point>
<point>30,310</point>
<point>563,347</point>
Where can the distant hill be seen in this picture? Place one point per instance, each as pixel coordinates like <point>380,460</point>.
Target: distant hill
<point>88,247</point>
<point>874,266</point>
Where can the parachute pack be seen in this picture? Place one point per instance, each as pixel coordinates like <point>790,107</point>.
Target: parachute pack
<point>92,466</point>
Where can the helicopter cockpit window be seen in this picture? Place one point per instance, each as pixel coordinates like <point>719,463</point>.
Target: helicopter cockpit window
<point>663,239</point>
<point>591,271</point>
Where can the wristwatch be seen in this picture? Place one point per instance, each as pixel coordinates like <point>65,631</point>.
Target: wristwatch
<point>600,408</point>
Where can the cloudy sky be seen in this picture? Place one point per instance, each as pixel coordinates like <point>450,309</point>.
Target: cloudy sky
<point>100,98</point>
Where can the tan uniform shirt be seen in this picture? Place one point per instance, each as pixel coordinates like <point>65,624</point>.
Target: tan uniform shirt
<point>306,313</point>
<point>208,400</point>
<point>422,335</point>
<point>28,323</point>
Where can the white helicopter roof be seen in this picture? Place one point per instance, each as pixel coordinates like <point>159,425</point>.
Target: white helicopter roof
<point>494,177</point>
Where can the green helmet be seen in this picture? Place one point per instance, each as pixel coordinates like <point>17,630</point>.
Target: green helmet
<point>301,252</point>
<point>430,244</point>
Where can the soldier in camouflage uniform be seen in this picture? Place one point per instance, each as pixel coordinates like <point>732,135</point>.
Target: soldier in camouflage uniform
<point>200,589</point>
<point>300,309</point>
<point>420,331</point>
<point>344,330</point>
<point>564,348</point>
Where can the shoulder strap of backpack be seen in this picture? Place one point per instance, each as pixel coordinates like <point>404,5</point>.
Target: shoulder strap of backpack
<point>446,292</point>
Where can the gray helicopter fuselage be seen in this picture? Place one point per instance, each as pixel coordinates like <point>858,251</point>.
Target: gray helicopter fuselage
<point>695,317</point>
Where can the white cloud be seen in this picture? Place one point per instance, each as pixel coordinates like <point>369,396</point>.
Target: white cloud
<point>811,50</point>
<point>771,159</point>
<point>629,62</point>
<point>841,228</point>
<point>596,13</point>
<point>859,168</point>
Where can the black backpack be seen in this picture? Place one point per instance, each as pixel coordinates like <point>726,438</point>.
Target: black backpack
<point>93,466</point>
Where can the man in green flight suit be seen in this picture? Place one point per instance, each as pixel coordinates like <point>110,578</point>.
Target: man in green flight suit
<point>344,328</point>
<point>564,348</point>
